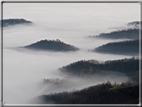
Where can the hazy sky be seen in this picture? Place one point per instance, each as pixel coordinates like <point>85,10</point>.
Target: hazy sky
<point>59,12</point>
<point>81,19</point>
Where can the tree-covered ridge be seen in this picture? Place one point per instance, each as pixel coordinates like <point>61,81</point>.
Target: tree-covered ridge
<point>7,22</point>
<point>52,45</point>
<point>122,34</point>
<point>136,23</point>
<point>124,47</point>
<point>105,93</point>
<point>83,68</point>
<point>130,31</point>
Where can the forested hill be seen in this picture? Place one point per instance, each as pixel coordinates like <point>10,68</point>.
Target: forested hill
<point>8,22</point>
<point>51,45</point>
<point>123,47</point>
<point>106,93</point>
<point>122,34</point>
<point>135,23</point>
<point>129,67</point>
<point>130,31</point>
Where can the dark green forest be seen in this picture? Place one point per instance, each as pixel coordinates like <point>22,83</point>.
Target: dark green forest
<point>51,45</point>
<point>7,22</point>
<point>122,34</point>
<point>130,67</point>
<point>105,93</point>
<point>124,47</point>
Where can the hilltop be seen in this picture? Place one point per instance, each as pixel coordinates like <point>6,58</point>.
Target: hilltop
<point>135,23</point>
<point>124,47</point>
<point>9,22</point>
<point>130,67</point>
<point>51,45</point>
<point>120,34</point>
<point>130,31</point>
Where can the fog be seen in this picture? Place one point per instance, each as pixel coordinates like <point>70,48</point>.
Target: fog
<point>25,70</point>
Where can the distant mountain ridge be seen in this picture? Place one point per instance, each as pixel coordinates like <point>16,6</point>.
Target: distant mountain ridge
<point>130,32</point>
<point>9,22</point>
<point>124,47</point>
<point>51,45</point>
<point>105,93</point>
<point>136,23</point>
<point>91,67</point>
<point>123,34</point>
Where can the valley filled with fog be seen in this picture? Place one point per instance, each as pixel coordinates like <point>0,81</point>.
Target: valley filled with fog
<point>25,69</point>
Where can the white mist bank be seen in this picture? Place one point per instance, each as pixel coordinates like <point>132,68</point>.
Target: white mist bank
<point>24,71</point>
<point>72,83</point>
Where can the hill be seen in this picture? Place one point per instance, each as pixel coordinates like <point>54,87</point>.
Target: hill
<point>8,22</point>
<point>130,31</point>
<point>122,34</point>
<point>135,23</point>
<point>124,47</point>
<point>51,45</point>
<point>106,93</point>
<point>130,67</point>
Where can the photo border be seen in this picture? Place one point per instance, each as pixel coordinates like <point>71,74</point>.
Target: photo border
<point>54,105</point>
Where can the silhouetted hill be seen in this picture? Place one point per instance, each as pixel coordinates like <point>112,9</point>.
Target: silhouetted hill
<point>135,23</point>
<point>123,34</point>
<point>130,31</point>
<point>7,22</point>
<point>106,93</point>
<point>91,67</point>
<point>52,45</point>
<point>123,47</point>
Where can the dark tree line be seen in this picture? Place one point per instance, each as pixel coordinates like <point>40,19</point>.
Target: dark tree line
<point>123,47</point>
<point>105,93</point>
<point>52,45</point>
<point>129,33</point>
<point>129,67</point>
<point>123,34</point>
<point>136,23</point>
<point>7,22</point>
